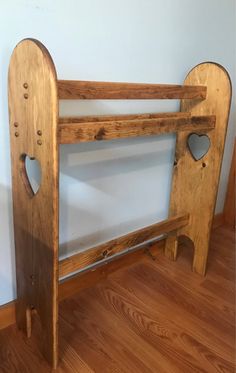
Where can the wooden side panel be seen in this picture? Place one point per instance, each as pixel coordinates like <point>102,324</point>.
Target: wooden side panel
<point>33,111</point>
<point>195,183</point>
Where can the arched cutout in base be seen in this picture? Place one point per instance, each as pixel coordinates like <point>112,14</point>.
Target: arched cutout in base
<point>186,248</point>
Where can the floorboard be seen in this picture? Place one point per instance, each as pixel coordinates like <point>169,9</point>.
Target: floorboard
<point>152,316</point>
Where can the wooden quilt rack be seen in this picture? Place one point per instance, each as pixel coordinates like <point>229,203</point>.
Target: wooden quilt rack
<point>37,131</point>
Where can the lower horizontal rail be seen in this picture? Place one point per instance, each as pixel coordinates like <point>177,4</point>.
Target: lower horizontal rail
<point>85,279</point>
<point>96,254</point>
<point>74,132</point>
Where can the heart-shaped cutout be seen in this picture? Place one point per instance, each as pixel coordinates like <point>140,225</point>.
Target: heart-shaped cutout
<point>198,145</point>
<point>31,174</point>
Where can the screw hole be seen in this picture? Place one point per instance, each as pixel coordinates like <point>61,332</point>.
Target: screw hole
<point>203,164</point>
<point>16,124</point>
<point>17,134</point>
<point>26,96</point>
<point>105,252</point>
<point>25,85</point>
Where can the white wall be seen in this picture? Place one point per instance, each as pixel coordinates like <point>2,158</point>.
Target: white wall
<point>109,188</point>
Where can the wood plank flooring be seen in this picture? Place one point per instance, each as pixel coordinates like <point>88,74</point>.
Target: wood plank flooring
<point>152,316</point>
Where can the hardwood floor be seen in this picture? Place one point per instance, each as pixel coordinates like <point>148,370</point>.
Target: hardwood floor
<point>153,316</point>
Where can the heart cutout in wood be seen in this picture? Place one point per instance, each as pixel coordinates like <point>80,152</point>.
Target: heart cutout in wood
<point>198,145</point>
<point>31,174</point>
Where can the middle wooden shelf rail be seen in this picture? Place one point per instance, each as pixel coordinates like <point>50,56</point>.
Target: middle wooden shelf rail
<point>84,129</point>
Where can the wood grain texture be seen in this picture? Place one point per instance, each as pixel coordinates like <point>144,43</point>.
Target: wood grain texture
<point>230,206</point>
<point>117,245</point>
<point>71,285</point>
<point>7,314</point>
<point>36,132</point>
<point>33,107</point>
<point>195,183</point>
<point>152,316</point>
<point>75,89</point>
<point>70,133</point>
<point>82,280</point>
<point>85,279</point>
<point>106,118</point>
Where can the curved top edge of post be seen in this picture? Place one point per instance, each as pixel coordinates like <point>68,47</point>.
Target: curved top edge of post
<point>221,67</point>
<point>44,50</point>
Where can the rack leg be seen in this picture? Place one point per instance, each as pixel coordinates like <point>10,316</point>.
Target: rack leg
<point>171,246</point>
<point>33,108</point>
<point>200,258</point>
<point>28,322</point>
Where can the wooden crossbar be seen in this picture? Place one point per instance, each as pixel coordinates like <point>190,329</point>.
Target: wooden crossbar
<point>73,132</point>
<point>108,118</point>
<point>105,250</point>
<point>75,89</point>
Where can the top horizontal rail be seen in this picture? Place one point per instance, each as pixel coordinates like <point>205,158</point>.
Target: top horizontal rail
<point>89,90</point>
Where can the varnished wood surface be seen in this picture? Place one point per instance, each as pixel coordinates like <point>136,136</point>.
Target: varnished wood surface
<point>195,182</point>
<point>117,245</point>
<point>153,316</point>
<point>33,112</point>
<point>86,279</point>
<point>75,89</point>
<point>33,109</point>
<point>73,132</point>
<point>7,314</point>
<point>106,118</point>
